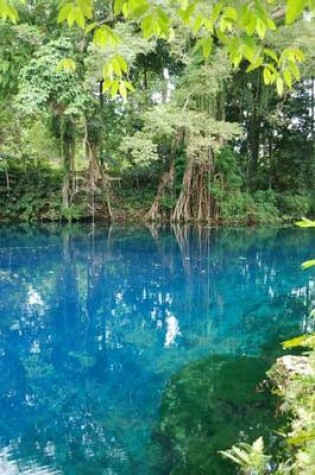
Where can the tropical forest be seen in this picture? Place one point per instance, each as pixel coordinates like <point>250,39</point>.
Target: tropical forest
<point>157,241</point>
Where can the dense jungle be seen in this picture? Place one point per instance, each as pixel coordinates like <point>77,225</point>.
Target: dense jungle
<point>189,137</point>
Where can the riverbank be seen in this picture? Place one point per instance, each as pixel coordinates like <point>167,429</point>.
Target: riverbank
<point>34,195</point>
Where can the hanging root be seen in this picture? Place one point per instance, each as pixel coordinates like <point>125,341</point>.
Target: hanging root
<point>156,212</point>
<point>195,202</point>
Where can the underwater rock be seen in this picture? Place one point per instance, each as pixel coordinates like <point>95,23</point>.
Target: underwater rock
<point>206,407</point>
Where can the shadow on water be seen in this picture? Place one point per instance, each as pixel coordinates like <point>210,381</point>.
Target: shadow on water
<point>138,351</point>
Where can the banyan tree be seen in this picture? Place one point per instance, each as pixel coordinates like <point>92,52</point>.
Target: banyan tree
<point>185,133</point>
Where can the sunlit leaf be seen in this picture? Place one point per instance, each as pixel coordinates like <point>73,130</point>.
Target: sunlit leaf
<point>66,64</point>
<point>114,88</point>
<point>90,27</point>
<point>255,65</point>
<point>295,70</point>
<point>123,90</point>
<point>305,223</point>
<point>301,438</point>
<point>261,29</point>
<point>272,54</point>
<point>308,264</point>
<point>230,13</point>
<point>207,47</point>
<point>280,86</point>
<point>304,340</point>
<point>267,76</point>
<point>294,9</point>
<point>288,78</point>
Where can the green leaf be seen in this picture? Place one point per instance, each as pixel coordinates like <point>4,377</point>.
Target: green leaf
<point>123,90</point>
<point>107,84</point>
<point>258,445</point>
<point>249,52</point>
<point>269,52</point>
<point>186,13</point>
<point>225,24</point>
<point>246,16</point>
<point>280,86</point>
<point>207,47</point>
<point>296,342</point>
<point>100,37</point>
<point>273,73</point>
<point>114,88</point>
<point>267,76</point>
<point>260,28</point>
<point>66,64</point>
<point>230,13</point>
<point>288,78</point>
<point>8,11</point>
<point>116,67</point>
<point>198,22</point>
<point>79,19</point>
<point>90,27</point>
<point>108,71</point>
<point>86,6</point>
<point>308,264</point>
<point>305,223</point>
<point>300,56</point>
<point>255,65</point>
<point>271,24</point>
<point>129,86</point>
<point>71,17</point>
<point>216,12</point>
<point>140,11</point>
<point>251,25</point>
<point>302,437</point>
<point>118,5</point>
<point>64,13</point>
<point>105,35</point>
<point>295,70</point>
<point>122,63</point>
<point>293,11</point>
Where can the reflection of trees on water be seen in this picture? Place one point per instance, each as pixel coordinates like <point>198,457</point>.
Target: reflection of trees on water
<point>93,323</point>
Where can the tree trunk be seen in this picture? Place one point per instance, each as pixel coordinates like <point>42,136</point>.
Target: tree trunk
<point>98,176</point>
<point>195,202</point>
<point>155,213</point>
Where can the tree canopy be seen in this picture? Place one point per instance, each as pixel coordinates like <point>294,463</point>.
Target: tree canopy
<point>243,28</point>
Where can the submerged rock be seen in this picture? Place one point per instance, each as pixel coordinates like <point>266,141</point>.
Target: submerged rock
<point>288,367</point>
<point>208,406</point>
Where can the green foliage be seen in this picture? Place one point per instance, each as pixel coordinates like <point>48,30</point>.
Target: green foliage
<point>293,205</point>
<point>73,213</point>
<point>307,341</point>
<point>64,91</point>
<point>250,458</point>
<point>32,196</point>
<point>241,28</point>
<point>44,83</point>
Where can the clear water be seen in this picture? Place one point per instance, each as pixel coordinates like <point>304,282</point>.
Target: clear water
<point>139,351</point>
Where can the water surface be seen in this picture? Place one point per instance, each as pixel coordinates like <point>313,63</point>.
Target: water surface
<point>139,351</point>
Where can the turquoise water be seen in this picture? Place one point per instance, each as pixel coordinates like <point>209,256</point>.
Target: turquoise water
<point>139,351</point>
